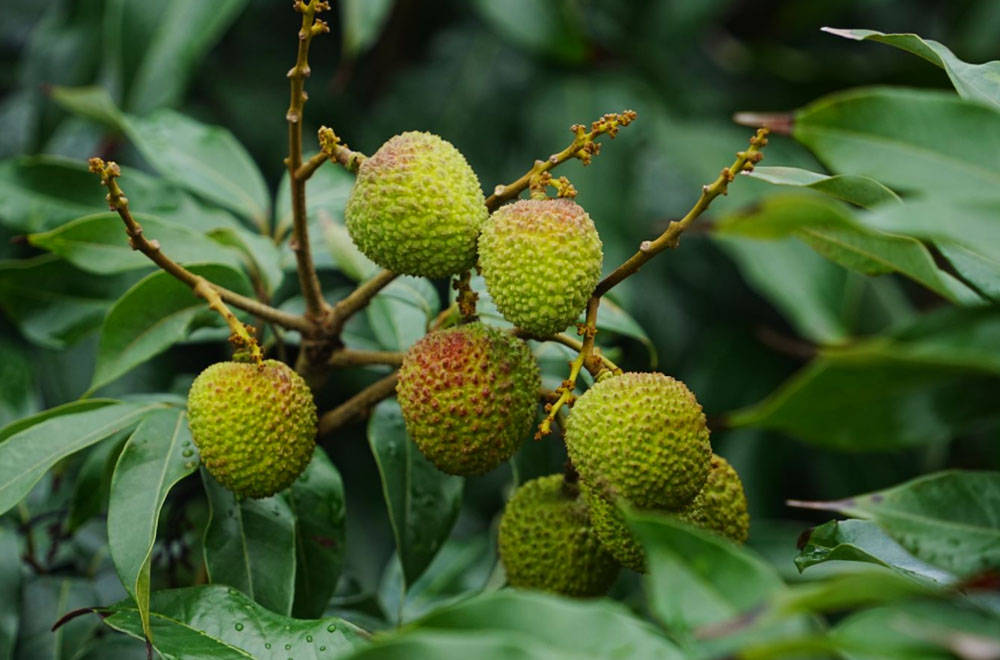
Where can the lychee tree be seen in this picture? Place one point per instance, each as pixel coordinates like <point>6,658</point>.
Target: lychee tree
<point>224,516</point>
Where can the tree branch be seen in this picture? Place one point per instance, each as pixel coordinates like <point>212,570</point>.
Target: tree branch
<point>358,299</point>
<point>351,357</point>
<point>358,405</point>
<point>583,146</point>
<point>316,307</point>
<point>745,161</point>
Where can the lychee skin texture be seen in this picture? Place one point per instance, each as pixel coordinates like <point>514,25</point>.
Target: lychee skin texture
<point>469,397</point>
<point>416,207</point>
<point>641,437</point>
<point>546,542</point>
<point>254,426</point>
<point>541,260</point>
<point>720,507</point>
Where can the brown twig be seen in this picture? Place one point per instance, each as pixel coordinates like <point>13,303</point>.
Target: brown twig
<point>331,148</point>
<point>351,357</point>
<point>745,161</point>
<point>358,299</point>
<point>584,146</point>
<point>316,307</point>
<point>358,405</point>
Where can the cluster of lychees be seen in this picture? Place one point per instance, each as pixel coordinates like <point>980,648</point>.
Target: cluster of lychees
<point>469,393</point>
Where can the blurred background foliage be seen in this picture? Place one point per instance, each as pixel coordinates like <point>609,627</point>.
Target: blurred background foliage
<point>503,80</point>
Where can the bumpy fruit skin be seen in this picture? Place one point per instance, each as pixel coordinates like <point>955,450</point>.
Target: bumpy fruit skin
<point>254,426</point>
<point>612,531</point>
<point>641,437</point>
<point>469,397</point>
<point>720,507</point>
<point>416,207</point>
<point>546,542</point>
<point>541,260</point>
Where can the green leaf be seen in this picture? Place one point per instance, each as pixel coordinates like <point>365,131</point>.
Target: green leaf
<point>595,628</point>
<point>863,541</point>
<point>262,258</point>
<point>157,455</point>
<point>206,160</point>
<point>858,190</point>
<point>316,501</point>
<point>849,591</point>
<point>98,244</point>
<point>422,501</point>
<point>832,229</point>
<point>438,645</point>
<point>697,578</point>
<point>47,598</point>
<point>978,82</point>
<point>400,313</point>
<point>947,519</point>
<point>17,383</point>
<point>918,629</point>
<point>362,21</point>
<point>327,191</point>
<point>27,455</point>
<point>153,315</point>
<point>346,255</point>
<point>93,483</point>
<point>980,272</point>
<point>250,545</point>
<point>93,103</point>
<point>544,26</point>
<point>921,384</point>
<point>614,319</point>
<point>908,139</point>
<point>70,408</point>
<point>219,622</point>
<point>186,31</point>
<point>52,303</point>
<point>10,584</point>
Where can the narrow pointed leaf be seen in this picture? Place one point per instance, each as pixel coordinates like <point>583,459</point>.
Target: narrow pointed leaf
<point>858,190</point>
<point>250,545</point>
<point>422,501</point>
<point>27,455</point>
<point>157,455</point>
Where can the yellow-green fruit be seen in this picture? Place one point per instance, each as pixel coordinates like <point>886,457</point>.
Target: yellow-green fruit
<point>416,207</point>
<point>720,507</point>
<point>469,397</point>
<point>541,260</point>
<point>254,425</point>
<point>641,437</point>
<point>546,541</point>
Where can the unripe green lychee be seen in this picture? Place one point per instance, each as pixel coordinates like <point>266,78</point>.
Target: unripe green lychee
<point>416,207</point>
<point>254,425</point>
<point>469,397</point>
<point>546,541</point>
<point>641,437</point>
<point>541,260</point>
<point>720,507</point>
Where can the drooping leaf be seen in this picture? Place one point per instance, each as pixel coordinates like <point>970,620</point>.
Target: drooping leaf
<point>858,190</point>
<point>978,82</point>
<point>922,384</point>
<point>422,501</point>
<point>93,483</point>
<point>187,29</point>
<point>863,541</point>
<point>250,545</point>
<point>831,229</point>
<point>52,303</point>
<point>157,455</point>
<point>947,519</point>
<point>346,255</point>
<point>27,455</point>
<point>152,316</point>
<point>10,584</point>
<point>98,244</point>
<point>221,623</point>
<point>316,501</point>
<point>91,102</point>
<point>204,159</point>
<point>908,139</point>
